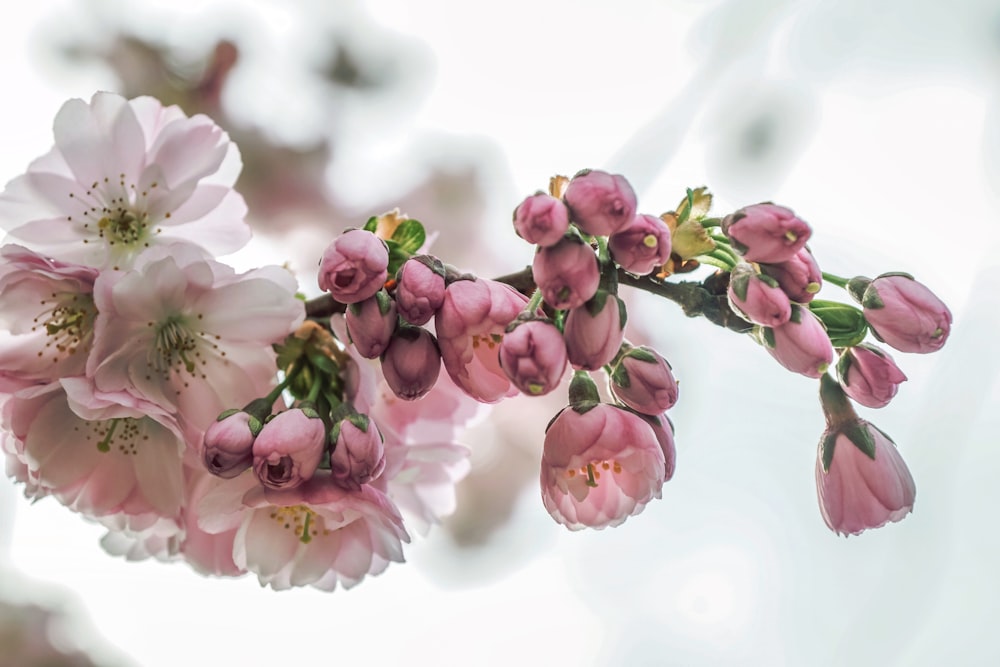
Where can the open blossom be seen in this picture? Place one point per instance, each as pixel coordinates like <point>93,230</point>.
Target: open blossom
<point>470,326</point>
<point>903,313</point>
<point>354,266</point>
<point>49,308</point>
<point>541,219</point>
<point>289,448</point>
<point>566,273</point>
<point>189,334</point>
<point>641,245</point>
<point>316,534</point>
<point>533,355</point>
<point>766,233</point>
<point>599,466</point>
<point>869,375</point>
<point>126,175</point>
<point>600,203</point>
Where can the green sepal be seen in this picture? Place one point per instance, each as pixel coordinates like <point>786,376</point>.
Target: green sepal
<point>371,225</point>
<point>796,314</point>
<point>308,409</point>
<point>739,280</point>
<point>845,324</point>
<point>227,413</point>
<point>360,421</point>
<point>384,301</point>
<point>622,313</point>
<point>641,354</point>
<point>857,287</point>
<point>829,442</point>
<point>620,377</point>
<point>323,363</point>
<point>859,434</point>
<point>767,335</point>
<point>397,257</point>
<point>767,280</point>
<point>255,425</point>
<point>583,394</point>
<point>596,303</point>
<point>355,308</point>
<point>844,365</point>
<point>288,351</point>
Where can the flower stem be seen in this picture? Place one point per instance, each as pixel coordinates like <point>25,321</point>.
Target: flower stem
<point>835,280</point>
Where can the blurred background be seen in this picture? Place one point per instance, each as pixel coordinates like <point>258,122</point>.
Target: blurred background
<point>879,123</point>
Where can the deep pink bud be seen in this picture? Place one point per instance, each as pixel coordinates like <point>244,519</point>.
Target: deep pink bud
<point>470,326</point>
<point>594,332</point>
<point>358,455</point>
<point>420,289</point>
<point>600,203</point>
<point>861,480</point>
<point>600,465</point>
<point>869,375</point>
<point>370,324</point>
<point>228,445</point>
<point>902,312</point>
<point>766,233</point>
<point>801,344</point>
<point>643,381</point>
<point>567,273</point>
<point>289,448</point>
<point>641,245</point>
<point>354,266</point>
<point>411,363</point>
<point>758,297</point>
<point>533,355</point>
<point>541,219</point>
<point>799,277</point>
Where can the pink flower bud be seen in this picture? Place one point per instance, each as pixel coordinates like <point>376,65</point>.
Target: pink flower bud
<point>600,465</point>
<point>799,277</point>
<point>641,245</point>
<point>370,324</point>
<point>411,363</point>
<point>766,233</point>
<point>289,448</point>
<point>533,355</point>
<point>567,273</point>
<point>228,445</point>
<point>643,381</point>
<point>420,289</point>
<point>354,266</point>
<point>903,313</point>
<point>758,297</point>
<point>470,326</point>
<point>594,332</point>
<point>664,431</point>
<point>541,219</point>
<point>600,203</point>
<point>358,455</point>
<point>869,375</point>
<point>801,344</point>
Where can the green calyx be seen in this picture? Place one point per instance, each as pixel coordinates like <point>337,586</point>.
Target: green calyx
<point>583,394</point>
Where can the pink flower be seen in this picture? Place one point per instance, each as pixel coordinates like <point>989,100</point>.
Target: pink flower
<point>470,327</point>
<point>799,277</point>
<point>541,219</point>
<point>643,380</point>
<point>758,297</point>
<point>371,323</point>
<point>869,375</point>
<point>766,233</point>
<point>420,289</point>
<point>641,245</point>
<point>801,344</point>
<point>594,332</point>
<point>354,266</point>
<point>599,466</point>
<point>317,534</point>
<point>566,273</point>
<point>227,449</point>
<point>664,431</point>
<point>903,313</point>
<point>600,203</point>
<point>125,176</point>
<point>411,363</point>
<point>289,447</point>
<point>533,355</point>
<point>358,455</point>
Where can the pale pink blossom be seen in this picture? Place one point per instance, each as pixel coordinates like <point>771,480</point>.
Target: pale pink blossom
<point>470,327</point>
<point>904,313</point>
<point>594,332</point>
<point>289,447</point>
<point>566,273</point>
<point>317,534</point>
<point>354,266</point>
<point>412,362</point>
<point>766,233</point>
<point>869,375</point>
<point>641,245</point>
<point>126,175</point>
<point>599,466</point>
<point>420,289</point>
<point>533,355</point>
<point>600,203</point>
<point>189,334</point>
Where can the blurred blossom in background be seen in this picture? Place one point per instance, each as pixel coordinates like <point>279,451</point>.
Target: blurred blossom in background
<point>879,123</point>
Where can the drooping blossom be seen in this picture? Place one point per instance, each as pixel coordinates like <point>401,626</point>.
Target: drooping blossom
<point>317,534</point>
<point>758,297</point>
<point>412,362</point>
<point>358,455</point>
<point>289,447</point>
<point>766,233</point>
<point>420,289</point>
<point>126,175</point>
<point>869,375</point>
<point>902,312</point>
<point>861,480</point>
<point>594,332</point>
<point>470,326</point>
<point>600,203</point>
<point>566,273</point>
<point>801,344</point>
<point>354,266</point>
<point>541,219</point>
<point>641,245</point>
<point>371,323</point>
<point>800,277</point>
<point>643,380</point>
<point>190,335</point>
<point>600,465</point>
<point>533,355</point>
